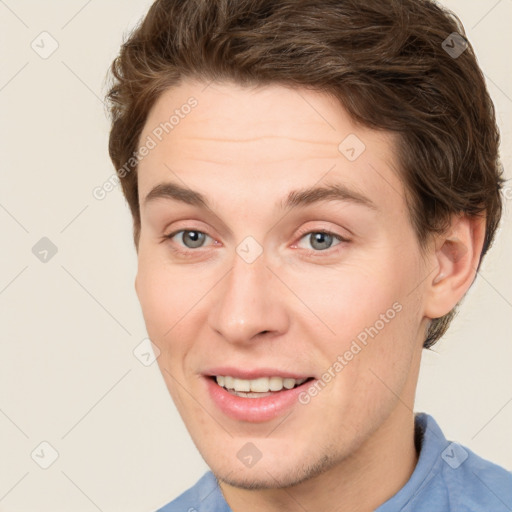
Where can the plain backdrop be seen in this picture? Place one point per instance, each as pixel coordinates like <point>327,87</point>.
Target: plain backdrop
<point>70,318</point>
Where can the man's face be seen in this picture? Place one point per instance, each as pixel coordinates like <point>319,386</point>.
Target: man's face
<point>250,289</point>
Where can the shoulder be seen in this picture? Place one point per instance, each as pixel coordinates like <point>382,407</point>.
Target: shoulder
<point>473,483</point>
<point>461,479</point>
<point>204,496</point>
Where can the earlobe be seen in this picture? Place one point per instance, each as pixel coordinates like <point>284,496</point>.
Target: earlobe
<point>457,254</point>
<point>439,278</point>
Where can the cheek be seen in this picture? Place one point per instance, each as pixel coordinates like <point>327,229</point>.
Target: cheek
<point>172,303</point>
<point>373,320</point>
<point>350,299</point>
<point>160,300</point>
<point>375,364</point>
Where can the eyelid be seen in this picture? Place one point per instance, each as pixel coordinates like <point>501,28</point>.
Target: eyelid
<point>309,230</point>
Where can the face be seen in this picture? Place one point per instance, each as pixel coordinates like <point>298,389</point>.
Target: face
<point>251,280</point>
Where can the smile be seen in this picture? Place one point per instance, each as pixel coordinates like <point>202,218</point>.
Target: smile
<point>257,388</point>
<point>255,400</point>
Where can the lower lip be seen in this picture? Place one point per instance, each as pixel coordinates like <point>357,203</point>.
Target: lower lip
<point>254,410</point>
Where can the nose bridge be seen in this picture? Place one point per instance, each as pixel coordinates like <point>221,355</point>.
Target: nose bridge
<point>245,304</point>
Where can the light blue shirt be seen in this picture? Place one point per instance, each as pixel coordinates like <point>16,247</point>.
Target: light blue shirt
<point>447,478</point>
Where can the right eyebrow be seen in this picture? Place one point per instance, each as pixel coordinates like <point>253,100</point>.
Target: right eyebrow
<point>176,192</point>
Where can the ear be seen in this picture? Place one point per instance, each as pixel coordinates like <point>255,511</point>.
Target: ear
<point>456,259</point>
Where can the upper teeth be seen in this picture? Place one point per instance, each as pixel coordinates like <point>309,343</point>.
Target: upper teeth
<point>261,385</point>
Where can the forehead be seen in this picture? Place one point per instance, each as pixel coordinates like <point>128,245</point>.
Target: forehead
<point>263,141</point>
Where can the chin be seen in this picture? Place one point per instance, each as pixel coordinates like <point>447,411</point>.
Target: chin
<point>273,475</point>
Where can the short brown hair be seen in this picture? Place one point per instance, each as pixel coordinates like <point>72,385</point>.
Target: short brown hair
<point>386,61</point>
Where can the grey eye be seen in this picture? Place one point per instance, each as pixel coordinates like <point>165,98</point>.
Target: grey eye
<point>321,241</point>
<point>192,239</point>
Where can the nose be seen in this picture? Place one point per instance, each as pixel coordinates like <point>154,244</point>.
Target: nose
<point>249,301</point>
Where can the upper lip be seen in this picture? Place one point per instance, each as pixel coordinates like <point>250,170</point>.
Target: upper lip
<point>253,373</point>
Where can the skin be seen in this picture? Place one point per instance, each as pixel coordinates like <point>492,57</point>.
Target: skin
<point>295,307</point>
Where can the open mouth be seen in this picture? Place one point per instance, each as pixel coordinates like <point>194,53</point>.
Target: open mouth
<point>257,388</point>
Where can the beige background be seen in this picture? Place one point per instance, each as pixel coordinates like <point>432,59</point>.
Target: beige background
<point>68,375</point>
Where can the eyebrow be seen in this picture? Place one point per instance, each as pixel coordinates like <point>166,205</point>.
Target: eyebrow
<point>295,198</point>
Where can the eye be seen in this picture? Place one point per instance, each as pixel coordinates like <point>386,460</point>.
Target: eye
<point>322,240</point>
<point>191,239</point>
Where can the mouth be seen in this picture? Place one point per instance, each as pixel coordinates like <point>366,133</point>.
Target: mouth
<point>258,399</point>
<point>257,388</point>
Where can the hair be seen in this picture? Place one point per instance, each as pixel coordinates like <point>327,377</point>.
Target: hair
<point>384,60</point>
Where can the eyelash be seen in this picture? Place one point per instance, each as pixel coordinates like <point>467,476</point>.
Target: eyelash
<point>301,234</point>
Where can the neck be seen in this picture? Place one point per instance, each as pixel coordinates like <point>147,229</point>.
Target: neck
<point>360,483</point>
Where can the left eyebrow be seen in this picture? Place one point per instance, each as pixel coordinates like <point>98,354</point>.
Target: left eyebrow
<point>295,198</point>
<point>330,192</point>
